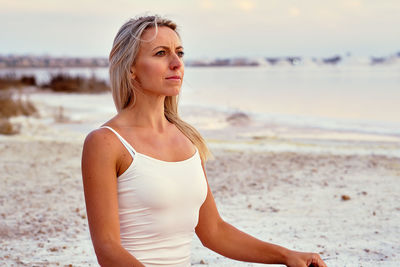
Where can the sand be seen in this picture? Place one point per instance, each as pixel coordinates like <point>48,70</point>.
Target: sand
<point>343,205</point>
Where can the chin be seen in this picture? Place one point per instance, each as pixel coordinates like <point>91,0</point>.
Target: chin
<point>174,92</point>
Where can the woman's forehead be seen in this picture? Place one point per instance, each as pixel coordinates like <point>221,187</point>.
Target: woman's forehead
<point>164,36</point>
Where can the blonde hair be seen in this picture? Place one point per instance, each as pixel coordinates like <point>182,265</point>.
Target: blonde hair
<point>122,58</point>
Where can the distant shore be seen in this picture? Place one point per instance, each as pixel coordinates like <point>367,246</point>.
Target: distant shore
<point>26,61</point>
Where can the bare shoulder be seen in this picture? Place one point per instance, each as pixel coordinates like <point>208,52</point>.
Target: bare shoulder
<point>101,142</point>
<point>100,157</point>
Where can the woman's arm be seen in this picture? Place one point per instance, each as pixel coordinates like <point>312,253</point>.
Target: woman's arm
<point>99,161</point>
<point>223,238</point>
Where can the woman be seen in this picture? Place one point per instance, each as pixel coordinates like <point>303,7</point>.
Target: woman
<point>143,171</point>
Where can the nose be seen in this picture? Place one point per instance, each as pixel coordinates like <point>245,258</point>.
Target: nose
<point>176,62</point>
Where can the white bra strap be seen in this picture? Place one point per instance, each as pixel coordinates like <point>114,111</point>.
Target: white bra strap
<point>123,141</point>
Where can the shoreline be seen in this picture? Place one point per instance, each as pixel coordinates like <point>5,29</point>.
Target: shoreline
<point>81,113</point>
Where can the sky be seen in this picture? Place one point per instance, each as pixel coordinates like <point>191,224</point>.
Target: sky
<point>209,28</point>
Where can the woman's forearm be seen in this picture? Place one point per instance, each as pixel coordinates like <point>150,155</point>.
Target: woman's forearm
<point>235,244</point>
<point>110,254</point>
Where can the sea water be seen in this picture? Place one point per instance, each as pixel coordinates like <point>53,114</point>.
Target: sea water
<point>326,96</point>
<point>319,102</point>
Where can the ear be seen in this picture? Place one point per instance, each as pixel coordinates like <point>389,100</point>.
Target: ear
<point>133,72</point>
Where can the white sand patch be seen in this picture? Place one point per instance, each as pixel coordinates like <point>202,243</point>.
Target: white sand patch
<point>292,199</point>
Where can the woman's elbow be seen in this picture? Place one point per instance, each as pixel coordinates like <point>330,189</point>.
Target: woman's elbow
<point>105,252</point>
<point>210,234</point>
<point>103,258</point>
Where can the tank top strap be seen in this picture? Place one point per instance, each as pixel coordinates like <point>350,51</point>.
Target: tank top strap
<point>130,149</point>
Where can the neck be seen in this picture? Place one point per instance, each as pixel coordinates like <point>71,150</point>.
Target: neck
<point>148,112</point>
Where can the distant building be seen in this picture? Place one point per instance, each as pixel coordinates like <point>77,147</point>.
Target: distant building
<point>332,60</point>
<point>12,61</point>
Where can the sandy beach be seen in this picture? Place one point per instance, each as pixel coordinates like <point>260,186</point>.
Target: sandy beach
<point>343,205</point>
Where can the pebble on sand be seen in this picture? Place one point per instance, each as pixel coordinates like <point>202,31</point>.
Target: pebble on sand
<point>345,197</point>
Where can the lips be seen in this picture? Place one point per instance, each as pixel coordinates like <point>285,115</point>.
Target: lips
<point>175,77</point>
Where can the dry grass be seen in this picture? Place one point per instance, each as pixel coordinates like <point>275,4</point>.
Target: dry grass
<point>14,105</point>
<point>68,84</point>
<point>10,80</point>
<point>7,128</point>
<point>60,82</point>
<point>11,106</point>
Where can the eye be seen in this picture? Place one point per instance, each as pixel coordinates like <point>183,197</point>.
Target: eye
<point>180,53</point>
<point>160,53</point>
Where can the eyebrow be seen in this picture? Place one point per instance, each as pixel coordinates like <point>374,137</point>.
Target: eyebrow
<point>167,48</point>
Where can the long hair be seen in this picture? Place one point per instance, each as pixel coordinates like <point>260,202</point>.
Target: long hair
<point>122,57</point>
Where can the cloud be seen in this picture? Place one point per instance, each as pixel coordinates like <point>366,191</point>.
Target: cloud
<point>245,5</point>
<point>353,4</point>
<point>294,12</point>
<point>207,4</point>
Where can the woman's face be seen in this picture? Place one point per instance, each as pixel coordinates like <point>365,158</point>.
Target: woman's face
<point>159,66</point>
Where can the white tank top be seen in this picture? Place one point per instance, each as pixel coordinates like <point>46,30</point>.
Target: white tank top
<point>158,205</point>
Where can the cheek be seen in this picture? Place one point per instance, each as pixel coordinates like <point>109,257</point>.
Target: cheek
<point>149,70</point>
